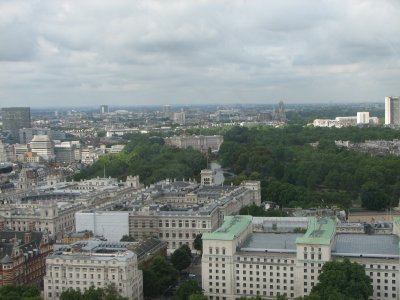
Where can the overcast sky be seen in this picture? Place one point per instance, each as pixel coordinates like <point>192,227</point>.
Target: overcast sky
<point>91,52</point>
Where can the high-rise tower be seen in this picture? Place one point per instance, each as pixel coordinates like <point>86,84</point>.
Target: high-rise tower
<point>15,118</point>
<point>392,110</point>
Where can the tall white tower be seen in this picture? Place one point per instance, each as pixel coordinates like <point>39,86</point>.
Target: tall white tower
<point>392,110</point>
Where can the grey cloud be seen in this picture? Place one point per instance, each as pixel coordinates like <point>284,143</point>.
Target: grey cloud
<point>180,51</point>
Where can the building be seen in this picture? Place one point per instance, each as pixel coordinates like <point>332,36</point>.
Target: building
<point>26,134</point>
<point>249,257</point>
<point>93,263</point>
<point>23,257</point>
<point>65,152</point>
<point>179,118</point>
<point>176,212</point>
<point>363,117</point>
<point>43,146</point>
<point>167,111</point>
<point>392,110</point>
<point>104,109</point>
<point>197,142</point>
<point>111,225</point>
<point>15,118</point>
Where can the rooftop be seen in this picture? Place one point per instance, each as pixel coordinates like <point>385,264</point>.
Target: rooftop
<point>232,227</point>
<point>320,231</point>
<point>357,245</point>
<point>271,242</point>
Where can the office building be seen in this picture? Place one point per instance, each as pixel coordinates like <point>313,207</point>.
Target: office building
<point>392,110</point>
<point>93,264</point>
<point>15,118</point>
<point>257,256</point>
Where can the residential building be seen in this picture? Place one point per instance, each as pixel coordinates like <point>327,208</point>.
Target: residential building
<point>23,257</point>
<point>392,110</point>
<point>93,264</point>
<point>15,118</point>
<point>248,257</point>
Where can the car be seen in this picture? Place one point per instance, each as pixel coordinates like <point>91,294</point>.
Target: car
<point>191,276</point>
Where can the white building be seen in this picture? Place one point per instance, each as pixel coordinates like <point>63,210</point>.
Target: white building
<point>112,225</point>
<point>43,146</point>
<point>265,257</point>
<point>363,117</point>
<point>93,264</point>
<point>392,110</point>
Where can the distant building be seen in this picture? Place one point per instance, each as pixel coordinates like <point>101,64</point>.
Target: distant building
<point>167,111</point>
<point>65,152</point>
<point>392,111</point>
<point>15,118</point>
<point>93,263</point>
<point>23,257</point>
<point>26,134</point>
<point>197,142</point>
<point>104,109</point>
<point>43,146</point>
<point>179,118</point>
<point>363,117</point>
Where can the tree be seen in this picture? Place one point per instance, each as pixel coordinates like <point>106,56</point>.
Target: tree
<point>181,258</point>
<point>158,276</point>
<point>107,293</point>
<point>342,280</point>
<point>197,296</point>
<point>373,197</point>
<point>198,243</point>
<point>127,238</point>
<point>186,289</point>
<point>14,292</point>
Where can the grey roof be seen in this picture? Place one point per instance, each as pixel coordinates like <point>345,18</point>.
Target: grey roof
<point>271,242</point>
<point>357,245</point>
<point>6,260</point>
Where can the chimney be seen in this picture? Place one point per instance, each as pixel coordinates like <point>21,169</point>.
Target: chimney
<point>27,237</point>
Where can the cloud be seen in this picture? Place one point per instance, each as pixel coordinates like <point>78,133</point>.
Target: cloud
<point>140,52</point>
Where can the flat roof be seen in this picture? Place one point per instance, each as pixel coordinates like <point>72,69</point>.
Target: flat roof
<point>271,242</point>
<point>232,227</point>
<point>320,231</point>
<point>376,245</point>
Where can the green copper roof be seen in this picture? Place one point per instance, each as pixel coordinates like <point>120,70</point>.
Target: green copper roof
<point>232,227</point>
<point>320,231</point>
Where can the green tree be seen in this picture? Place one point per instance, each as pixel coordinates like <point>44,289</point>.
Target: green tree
<point>186,289</point>
<point>181,259</point>
<point>343,280</point>
<point>127,238</point>
<point>198,243</point>
<point>373,197</point>
<point>197,296</point>
<point>71,294</point>
<point>16,292</point>
<point>159,276</point>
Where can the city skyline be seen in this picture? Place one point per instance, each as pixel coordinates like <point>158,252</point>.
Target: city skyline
<point>197,52</point>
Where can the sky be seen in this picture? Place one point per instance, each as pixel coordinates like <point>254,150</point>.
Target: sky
<point>138,52</point>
